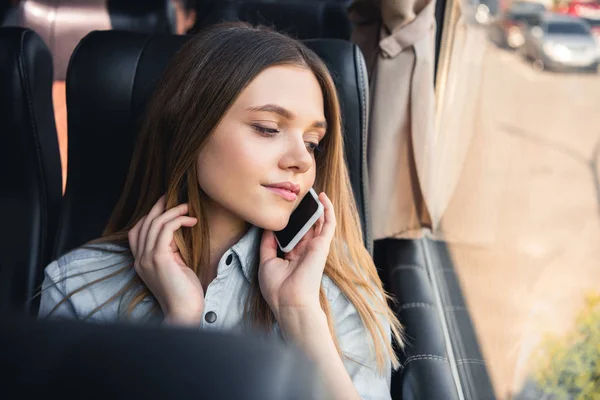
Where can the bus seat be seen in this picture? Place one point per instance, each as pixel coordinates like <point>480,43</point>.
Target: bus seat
<point>30,182</point>
<point>62,24</point>
<point>301,19</point>
<point>425,371</point>
<point>73,359</point>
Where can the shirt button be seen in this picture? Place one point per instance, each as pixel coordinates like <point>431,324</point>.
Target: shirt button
<point>210,317</point>
<point>229,259</point>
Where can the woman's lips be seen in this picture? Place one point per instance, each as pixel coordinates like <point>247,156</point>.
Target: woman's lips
<point>284,193</point>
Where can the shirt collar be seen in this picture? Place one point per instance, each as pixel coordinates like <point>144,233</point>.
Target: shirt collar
<point>247,250</point>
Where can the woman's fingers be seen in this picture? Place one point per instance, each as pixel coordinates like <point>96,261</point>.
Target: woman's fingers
<point>156,210</point>
<point>157,224</point>
<point>329,222</point>
<point>133,235</point>
<point>319,225</point>
<point>268,246</point>
<point>165,236</point>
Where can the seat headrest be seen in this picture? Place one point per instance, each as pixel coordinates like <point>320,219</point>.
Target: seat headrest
<point>31,184</point>
<point>146,16</point>
<point>112,75</point>
<point>62,24</point>
<point>299,19</point>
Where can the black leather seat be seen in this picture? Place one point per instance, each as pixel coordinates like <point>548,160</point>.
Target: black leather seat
<point>110,78</point>
<point>426,370</point>
<point>442,357</point>
<point>30,182</point>
<point>69,360</point>
<point>147,16</point>
<point>301,19</point>
<point>5,8</point>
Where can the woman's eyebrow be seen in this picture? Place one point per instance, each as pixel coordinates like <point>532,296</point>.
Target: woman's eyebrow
<point>274,108</point>
<point>320,124</point>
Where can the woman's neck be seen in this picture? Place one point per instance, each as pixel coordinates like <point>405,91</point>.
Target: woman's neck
<point>226,229</point>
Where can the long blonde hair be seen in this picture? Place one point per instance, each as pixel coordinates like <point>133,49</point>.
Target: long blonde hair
<point>200,84</point>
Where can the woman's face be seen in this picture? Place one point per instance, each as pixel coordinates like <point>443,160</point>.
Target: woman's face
<point>267,137</point>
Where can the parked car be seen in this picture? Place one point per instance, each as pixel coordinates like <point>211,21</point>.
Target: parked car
<point>507,30</point>
<point>587,10</point>
<point>561,42</point>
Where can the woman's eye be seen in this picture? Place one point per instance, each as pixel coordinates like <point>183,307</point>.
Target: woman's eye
<point>266,131</point>
<point>313,147</point>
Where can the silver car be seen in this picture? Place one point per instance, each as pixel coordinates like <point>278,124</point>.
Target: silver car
<point>560,43</point>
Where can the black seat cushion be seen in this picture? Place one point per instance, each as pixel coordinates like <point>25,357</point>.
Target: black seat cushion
<point>30,182</point>
<point>110,78</point>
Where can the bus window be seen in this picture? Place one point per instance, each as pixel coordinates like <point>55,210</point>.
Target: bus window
<point>518,167</point>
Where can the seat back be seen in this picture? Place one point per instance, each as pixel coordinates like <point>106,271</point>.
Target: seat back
<point>30,182</point>
<point>147,16</point>
<point>301,19</point>
<point>62,24</point>
<point>112,75</point>
<point>71,359</point>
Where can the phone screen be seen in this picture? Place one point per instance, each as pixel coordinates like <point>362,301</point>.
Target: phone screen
<point>307,208</point>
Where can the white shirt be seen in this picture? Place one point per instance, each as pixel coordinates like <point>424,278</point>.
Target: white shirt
<point>225,297</point>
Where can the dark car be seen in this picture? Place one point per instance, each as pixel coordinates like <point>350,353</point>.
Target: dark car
<point>507,30</point>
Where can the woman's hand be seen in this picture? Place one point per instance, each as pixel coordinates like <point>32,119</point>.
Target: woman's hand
<point>291,284</point>
<point>158,263</point>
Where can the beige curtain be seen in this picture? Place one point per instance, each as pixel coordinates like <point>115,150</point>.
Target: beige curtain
<point>397,38</point>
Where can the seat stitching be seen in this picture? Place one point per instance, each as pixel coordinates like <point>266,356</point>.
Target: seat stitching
<point>422,357</point>
<point>471,361</point>
<point>455,308</point>
<point>417,305</point>
<point>36,143</point>
<point>408,266</point>
<point>135,73</point>
<point>364,175</point>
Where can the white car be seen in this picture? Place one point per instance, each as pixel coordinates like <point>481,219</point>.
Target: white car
<point>561,42</point>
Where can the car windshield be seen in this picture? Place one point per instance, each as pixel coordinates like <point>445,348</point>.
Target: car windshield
<point>594,23</point>
<point>566,28</point>
<point>521,7</point>
<point>529,19</point>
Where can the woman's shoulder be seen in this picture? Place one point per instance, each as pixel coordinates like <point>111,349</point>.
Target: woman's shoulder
<point>88,276</point>
<point>91,259</point>
<point>93,251</point>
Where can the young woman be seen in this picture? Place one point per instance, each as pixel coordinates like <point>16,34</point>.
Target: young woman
<point>243,123</point>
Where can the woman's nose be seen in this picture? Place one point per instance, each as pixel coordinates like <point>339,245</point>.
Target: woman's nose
<point>297,156</point>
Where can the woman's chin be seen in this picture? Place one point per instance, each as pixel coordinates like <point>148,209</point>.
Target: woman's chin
<point>272,224</point>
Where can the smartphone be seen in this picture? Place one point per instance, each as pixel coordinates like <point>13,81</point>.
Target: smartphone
<point>302,219</point>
